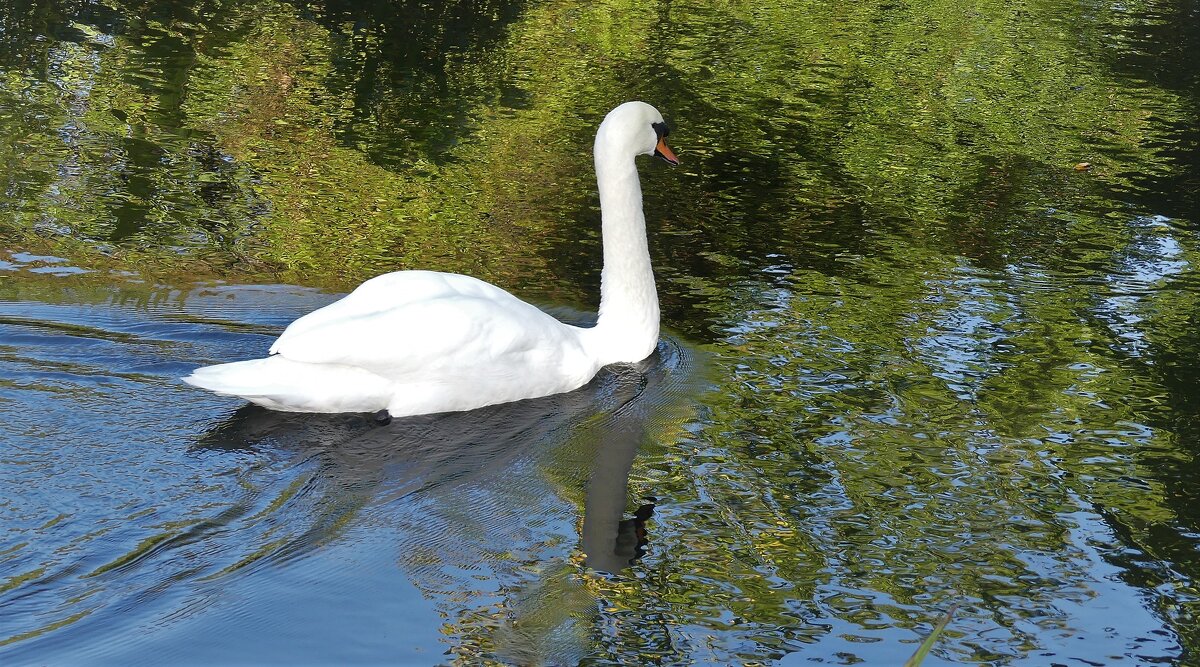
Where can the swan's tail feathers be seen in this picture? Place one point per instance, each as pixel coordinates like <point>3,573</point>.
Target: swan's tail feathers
<point>283,384</point>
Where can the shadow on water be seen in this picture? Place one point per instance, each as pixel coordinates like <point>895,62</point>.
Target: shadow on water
<point>599,428</point>
<point>383,463</point>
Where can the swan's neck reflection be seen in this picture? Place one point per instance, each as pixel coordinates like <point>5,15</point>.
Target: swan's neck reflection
<point>610,542</point>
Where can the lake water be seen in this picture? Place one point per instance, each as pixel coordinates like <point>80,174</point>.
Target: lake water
<point>931,318</point>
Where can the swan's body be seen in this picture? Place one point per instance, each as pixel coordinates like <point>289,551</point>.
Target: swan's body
<point>418,342</point>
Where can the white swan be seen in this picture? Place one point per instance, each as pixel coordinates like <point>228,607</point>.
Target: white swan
<point>419,342</point>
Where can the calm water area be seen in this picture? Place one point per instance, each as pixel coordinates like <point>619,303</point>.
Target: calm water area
<point>930,283</point>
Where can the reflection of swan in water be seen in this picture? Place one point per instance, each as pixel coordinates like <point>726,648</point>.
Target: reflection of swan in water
<point>493,495</point>
<point>358,452</point>
<point>464,490</point>
<point>452,449</point>
<point>610,542</point>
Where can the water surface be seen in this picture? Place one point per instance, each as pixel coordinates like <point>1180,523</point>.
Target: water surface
<point>929,287</point>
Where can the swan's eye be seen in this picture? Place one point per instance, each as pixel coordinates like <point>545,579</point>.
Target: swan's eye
<point>661,129</point>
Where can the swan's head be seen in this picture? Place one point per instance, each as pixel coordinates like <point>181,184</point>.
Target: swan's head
<point>635,128</point>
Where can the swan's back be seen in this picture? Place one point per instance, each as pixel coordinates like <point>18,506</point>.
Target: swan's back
<point>389,292</point>
<point>416,342</point>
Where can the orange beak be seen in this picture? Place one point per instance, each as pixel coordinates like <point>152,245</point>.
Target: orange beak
<point>664,151</point>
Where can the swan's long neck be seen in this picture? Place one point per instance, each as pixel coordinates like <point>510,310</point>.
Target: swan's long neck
<point>627,329</point>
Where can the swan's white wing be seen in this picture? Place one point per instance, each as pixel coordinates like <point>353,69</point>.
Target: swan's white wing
<point>425,326</point>
<point>387,292</point>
